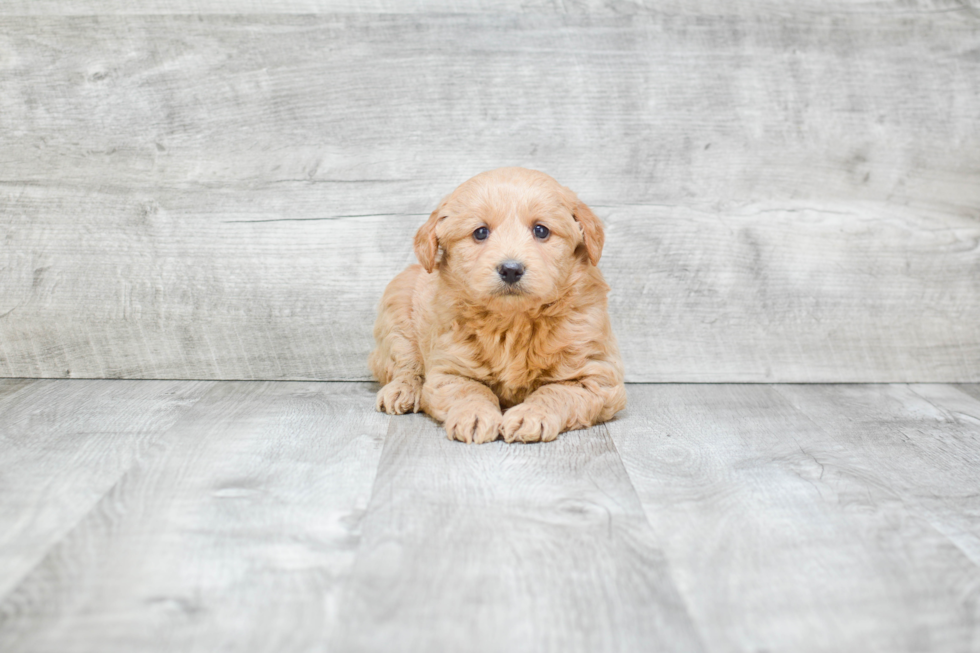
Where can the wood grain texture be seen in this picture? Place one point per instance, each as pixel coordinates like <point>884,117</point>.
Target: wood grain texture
<point>621,108</point>
<point>507,548</point>
<point>189,516</point>
<point>923,440</point>
<point>972,389</point>
<point>618,7</point>
<point>10,387</point>
<point>234,536</point>
<point>219,285</point>
<point>811,518</point>
<point>63,446</point>
<point>789,197</point>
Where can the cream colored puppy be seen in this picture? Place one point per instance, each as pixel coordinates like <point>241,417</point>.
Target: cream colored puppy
<point>506,311</point>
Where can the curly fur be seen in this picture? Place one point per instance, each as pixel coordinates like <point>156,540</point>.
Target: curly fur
<point>458,343</point>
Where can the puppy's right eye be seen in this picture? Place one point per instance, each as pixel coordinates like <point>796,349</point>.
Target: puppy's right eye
<point>481,233</point>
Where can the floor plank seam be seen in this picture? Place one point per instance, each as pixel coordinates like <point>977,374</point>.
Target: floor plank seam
<point>345,589</point>
<point>945,411</point>
<point>913,505</point>
<point>28,573</point>
<point>668,567</point>
<point>97,502</point>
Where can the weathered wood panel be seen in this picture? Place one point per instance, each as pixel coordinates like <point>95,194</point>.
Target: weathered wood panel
<point>626,109</point>
<point>507,548</point>
<point>63,446</point>
<point>922,440</point>
<point>235,535</point>
<point>790,197</point>
<point>117,7</point>
<point>798,524</point>
<point>707,517</point>
<point>793,292</point>
<point>971,389</point>
<point>10,387</point>
<point>225,284</point>
<point>185,285</point>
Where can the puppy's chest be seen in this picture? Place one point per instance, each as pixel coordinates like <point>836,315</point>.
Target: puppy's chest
<point>517,360</point>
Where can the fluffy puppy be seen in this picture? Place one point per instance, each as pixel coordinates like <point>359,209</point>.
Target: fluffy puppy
<point>506,311</point>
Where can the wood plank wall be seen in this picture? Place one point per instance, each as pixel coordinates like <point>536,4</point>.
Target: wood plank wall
<point>193,190</point>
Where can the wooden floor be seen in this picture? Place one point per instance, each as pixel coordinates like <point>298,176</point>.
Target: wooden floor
<point>289,516</point>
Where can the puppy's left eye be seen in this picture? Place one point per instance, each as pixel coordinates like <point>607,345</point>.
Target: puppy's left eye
<point>541,232</point>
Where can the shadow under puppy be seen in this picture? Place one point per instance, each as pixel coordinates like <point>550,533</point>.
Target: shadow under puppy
<point>512,315</point>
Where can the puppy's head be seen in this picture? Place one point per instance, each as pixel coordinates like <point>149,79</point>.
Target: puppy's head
<point>510,237</point>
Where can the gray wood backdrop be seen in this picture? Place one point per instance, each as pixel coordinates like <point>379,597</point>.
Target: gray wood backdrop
<point>195,190</point>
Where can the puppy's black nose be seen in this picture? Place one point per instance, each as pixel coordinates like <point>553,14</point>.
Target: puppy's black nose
<point>510,271</point>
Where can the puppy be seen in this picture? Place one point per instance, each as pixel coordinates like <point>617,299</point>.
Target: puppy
<point>506,311</point>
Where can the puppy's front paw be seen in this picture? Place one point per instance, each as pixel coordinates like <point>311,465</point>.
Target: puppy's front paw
<point>529,423</point>
<point>476,422</point>
<point>399,397</point>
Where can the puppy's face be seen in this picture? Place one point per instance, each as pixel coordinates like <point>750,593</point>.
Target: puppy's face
<point>510,238</point>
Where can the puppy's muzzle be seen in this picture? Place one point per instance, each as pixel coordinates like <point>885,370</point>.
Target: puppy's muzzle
<point>511,271</point>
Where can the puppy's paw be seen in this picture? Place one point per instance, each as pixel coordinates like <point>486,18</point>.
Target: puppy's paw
<point>475,422</point>
<point>399,397</point>
<point>529,423</point>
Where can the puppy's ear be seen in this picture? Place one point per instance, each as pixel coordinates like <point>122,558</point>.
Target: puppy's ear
<point>591,229</point>
<point>426,243</point>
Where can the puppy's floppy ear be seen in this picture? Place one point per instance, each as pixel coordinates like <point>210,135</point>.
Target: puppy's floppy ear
<point>591,229</point>
<point>426,243</point>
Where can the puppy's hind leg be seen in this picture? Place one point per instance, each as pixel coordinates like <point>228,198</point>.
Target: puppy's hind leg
<point>396,362</point>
